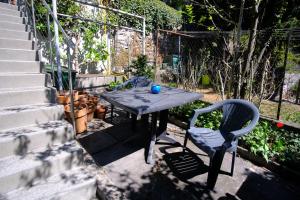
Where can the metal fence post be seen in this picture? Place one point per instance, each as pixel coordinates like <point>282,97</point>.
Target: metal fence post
<point>50,48</point>
<point>288,38</point>
<point>59,71</point>
<point>33,21</point>
<point>71,89</point>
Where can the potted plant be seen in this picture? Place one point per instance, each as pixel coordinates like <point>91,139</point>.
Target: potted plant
<point>64,97</point>
<point>101,111</point>
<point>80,115</point>
<point>91,107</point>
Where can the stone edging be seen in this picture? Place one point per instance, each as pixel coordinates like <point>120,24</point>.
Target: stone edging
<point>244,153</point>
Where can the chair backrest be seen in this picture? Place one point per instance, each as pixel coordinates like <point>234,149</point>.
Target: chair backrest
<point>236,113</point>
<point>140,81</point>
<point>136,81</point>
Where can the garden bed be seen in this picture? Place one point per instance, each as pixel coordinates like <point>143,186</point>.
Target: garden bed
<point>277,149</point>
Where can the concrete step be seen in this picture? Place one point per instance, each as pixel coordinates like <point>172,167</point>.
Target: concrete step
<point>20,116</point>
<point>11,34</point>
<point>14,80</point>
<point>20,171</point>
<point>7,43</point>
<point>12,12</point>
<point>8,6</point>
<point>19,141</point>
<point>14,26</point>
<point>8,66</point>
<point>21,96</point>
<point>12,19</point>
<point>70,185</point>
<point>18,54</point>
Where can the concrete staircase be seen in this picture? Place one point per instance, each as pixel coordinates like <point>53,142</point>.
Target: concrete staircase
<point>39,159</point>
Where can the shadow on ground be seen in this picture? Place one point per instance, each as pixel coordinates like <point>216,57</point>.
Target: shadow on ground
<point>120,151</point>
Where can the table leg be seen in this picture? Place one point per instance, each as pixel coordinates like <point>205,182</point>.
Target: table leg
<point>145,120</point>
<point>150,151</point>
<point>163,121</point>
<point>133,122</point>
<point>112,112</point>
<point>162,129</point>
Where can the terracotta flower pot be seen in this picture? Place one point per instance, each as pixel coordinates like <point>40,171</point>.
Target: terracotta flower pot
<point>13,2</point>
<point>94,99</point>
<point>82,94</point>
<point>64,97</point>
<point>80,115</point>
<point>83,99</point>
<point>75,96</point>
<point>76,103</point>
<point>101,111</point>
<point>90,111</point>
<point>61,99</point>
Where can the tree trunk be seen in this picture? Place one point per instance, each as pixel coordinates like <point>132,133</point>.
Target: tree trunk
<point>251,48</point>
<point>222,85</point>
<point>237,44</point>
<point>262,83</point>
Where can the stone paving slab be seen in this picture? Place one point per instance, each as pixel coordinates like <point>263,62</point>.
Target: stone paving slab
<point>127,176</point>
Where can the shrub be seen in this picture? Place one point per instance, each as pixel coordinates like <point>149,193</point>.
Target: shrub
<point>112,85</point>
<point>140,67</point>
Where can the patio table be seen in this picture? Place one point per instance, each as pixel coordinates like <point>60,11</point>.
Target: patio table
<point>140,101</point>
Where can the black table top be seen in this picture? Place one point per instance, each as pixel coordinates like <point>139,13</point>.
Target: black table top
<point>141,101</point>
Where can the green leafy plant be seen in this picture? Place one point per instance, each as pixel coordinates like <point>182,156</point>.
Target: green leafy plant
<point>158,14</point>
<point>140,67</point>
<point>267,140</point>
<point>172,84</point>
<point>208,120</point>
<point>112,85</point>
<point>189,13</point>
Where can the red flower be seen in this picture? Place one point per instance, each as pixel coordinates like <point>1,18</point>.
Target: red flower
<point>279,124</point>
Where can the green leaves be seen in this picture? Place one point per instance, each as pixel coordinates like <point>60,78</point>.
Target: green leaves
<point>209,120</point>
<point>272,143</point>
<point>189,14</point>
<point>112,85</point>
<point>139,67</point>
<point>157,13</point>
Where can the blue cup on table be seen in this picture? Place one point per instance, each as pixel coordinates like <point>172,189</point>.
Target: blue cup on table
<point>155,89</point>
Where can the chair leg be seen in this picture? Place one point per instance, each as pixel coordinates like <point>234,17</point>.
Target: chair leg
<point>214,169</point>
<point>232,162</point>
<point>112,112</point>
<point>184,143</point>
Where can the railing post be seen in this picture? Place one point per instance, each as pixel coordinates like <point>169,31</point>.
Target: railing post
<point>71,89</point>
<point>50,48</point>
<point>33,21</point>
<point>59,71</point>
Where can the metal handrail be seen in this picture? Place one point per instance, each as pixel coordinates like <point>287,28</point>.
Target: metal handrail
<point>68,41</point>
<point>67,38</point>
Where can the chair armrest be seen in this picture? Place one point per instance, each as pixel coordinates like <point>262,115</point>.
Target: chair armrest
<point>238,133</point>
<point>200,111</point>
<point>123,84</point>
